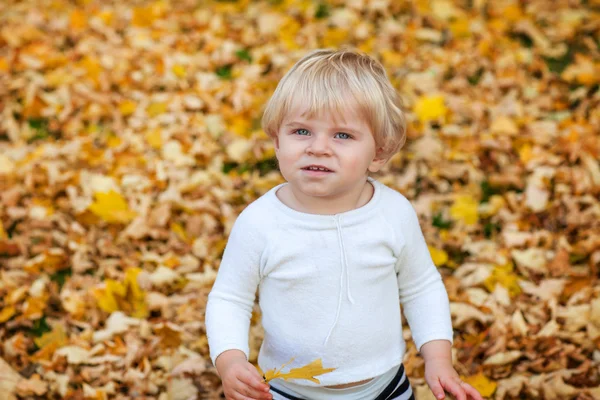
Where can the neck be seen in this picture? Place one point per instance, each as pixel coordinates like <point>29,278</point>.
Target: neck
<point>355,198</point>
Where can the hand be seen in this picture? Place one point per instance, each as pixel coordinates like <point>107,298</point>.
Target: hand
<point>441,376</point>
<point>241,380</point>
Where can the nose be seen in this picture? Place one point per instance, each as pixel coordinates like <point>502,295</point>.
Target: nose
<point>319,145</point>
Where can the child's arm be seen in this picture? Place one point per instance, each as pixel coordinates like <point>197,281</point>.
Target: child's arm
<point>427,309</point>
<point>229,309</point>
<point>441,375</point>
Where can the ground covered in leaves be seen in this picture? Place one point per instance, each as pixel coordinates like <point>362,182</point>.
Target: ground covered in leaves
<point>130,141</point>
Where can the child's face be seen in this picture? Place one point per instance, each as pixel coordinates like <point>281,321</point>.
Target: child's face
<point>344,146</point>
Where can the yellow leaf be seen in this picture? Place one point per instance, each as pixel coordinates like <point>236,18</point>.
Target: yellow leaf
<point>392,58</point>
<point>241,126</point>
<point>367,45</point>
<point>154,138</point>
<point>78,20</point>
<point>113,141</point>
<point>525,153</point>
<point>288,32</point>
<point>34,307</point>
<point>178,70</point>
<point>106,17</point>
<point>91,66</point>
<point>465,209</point>
<point>3,64</point>
<point>179,231</point>
<point>505,276</point>
<point>512,13</point>
<point>111,207</point>
<point>126,296</point>
<point>127,107</point>
<point>484,386</point>
<point>334,37</point>
<point>145,16</point>
<point>308,372</point>
<point>155,109</point>
<point>439,256</point>
<point>460,28</point>
<point>56,335</point>
<point>7,313</point>
<point>430,108</point>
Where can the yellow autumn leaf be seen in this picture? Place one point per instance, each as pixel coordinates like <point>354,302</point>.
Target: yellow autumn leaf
<point>430,108</point>
<point>127,107</point>
<point>154,138</point>
<point>525,153</point>
<point>92,66</point>
<point>484,386</point>
<point>56,335</point>
<point>106,17</point>
<point>3,234</point>
<point>460,28</point>
<point>505,276</point>
<point>125,296</point>
<point>111,207</point>
<point>392,58</point>
<point>77,20</point>
<point>241,126</point>
<point>178,70</point>
<point>7,313</point>
<point>308,372</point>
<point>3,64</point>
<point>179,230</point>
<point>334,37</point>
<point>146,15</point>
<point>155,109</point>
<point>439,256</point>
<point>465,209</point>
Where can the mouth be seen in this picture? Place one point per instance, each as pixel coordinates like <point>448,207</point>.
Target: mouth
<point>317,168</point>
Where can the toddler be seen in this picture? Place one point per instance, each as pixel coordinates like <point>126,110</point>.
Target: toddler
<point>332,251</point>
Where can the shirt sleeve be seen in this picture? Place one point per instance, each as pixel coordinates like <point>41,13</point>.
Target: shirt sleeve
<point>422,292</point>
<point>230,302</point>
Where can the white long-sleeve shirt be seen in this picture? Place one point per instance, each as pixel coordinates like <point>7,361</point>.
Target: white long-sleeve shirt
<point>330,286</point>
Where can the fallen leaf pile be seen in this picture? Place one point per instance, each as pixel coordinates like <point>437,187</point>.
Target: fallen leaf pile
<point>130,140</point>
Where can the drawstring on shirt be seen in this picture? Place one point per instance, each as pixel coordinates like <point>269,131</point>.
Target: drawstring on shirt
<point>344,271</point>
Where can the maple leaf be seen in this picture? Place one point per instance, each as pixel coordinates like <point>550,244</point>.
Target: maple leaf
<point>308,372</point>
<point>111,207</point>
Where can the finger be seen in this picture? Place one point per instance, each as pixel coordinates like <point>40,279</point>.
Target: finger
<point>437,389</point>
<point>471,391</point>
<point>251,393</point>
<point>453,386</point>
<point>254,381</point>
<point>257,381</point>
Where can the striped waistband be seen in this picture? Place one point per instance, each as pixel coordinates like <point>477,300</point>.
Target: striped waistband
<point>394,390</point>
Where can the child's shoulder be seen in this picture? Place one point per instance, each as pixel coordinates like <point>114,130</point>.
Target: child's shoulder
<point>393,199</point>
<point>258,211</point>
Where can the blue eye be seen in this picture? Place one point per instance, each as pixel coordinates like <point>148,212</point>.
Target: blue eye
<point>343,135</point>
<point>301,131</point>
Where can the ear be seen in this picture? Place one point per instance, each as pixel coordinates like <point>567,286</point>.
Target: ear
<point>378,162</point>
<point>276,143</point>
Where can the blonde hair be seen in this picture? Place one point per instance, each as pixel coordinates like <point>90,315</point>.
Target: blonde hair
<point>332,80</point>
